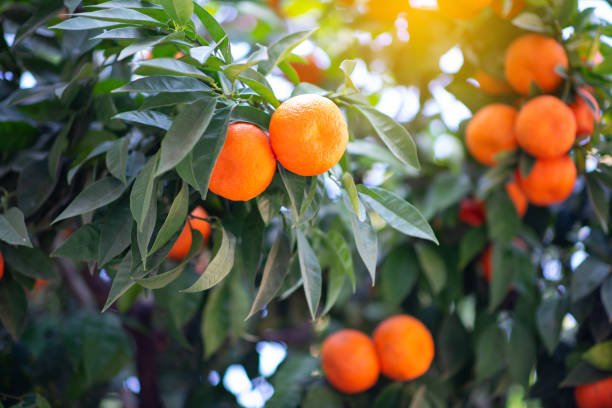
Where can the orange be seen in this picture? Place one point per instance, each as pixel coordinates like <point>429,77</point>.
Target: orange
<point>349,361</point>
<point>40,284</point>
<point>517,197</point>
<point>594,395</point>
<point>179,55</point>
<point>309,71</point>
<point>472,211</point>
<point>462,9</point>
<point>533,58</point>
<point>545,127</point>
<point>491,85</point>
<point>486,261</point>
<point>387,10</point>
<point>309,134</point>
<point>246,165</point>
<point>491,131</point>
<point>516,7</point>
<point>550,181</point>
<point>1,265</point>
<point>183,243</point>
<point>404,346</point>
<point>584,115</point>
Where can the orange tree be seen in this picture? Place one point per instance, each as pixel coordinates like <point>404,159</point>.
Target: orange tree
<point>135,133</point>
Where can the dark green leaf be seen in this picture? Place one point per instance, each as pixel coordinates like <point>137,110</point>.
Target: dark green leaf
<point>399,273</point>
<point>366,241</point>
<point>290,379</point>
<point>121,282</point>
<point>164,83</point>
<point>583,373</point>
<point>548,319</point>
<point>96,151</point>
<point>115,232</point>
<point>433,266</point>
<point>82,23</point>
<point>522,353</point>
<point>502,220</point>
<point>453,346</point>
<point>245,113</point>
<point>150,118</point>
<point>321,396</point>
<point>13,229</point>
<point>118,15</point>
<point>216,31</point>
<point>503,265</point>
<point>606,296</point>
<point>170,99</point>
<point>311,273</point>
<point>588,276</point>
<point>175,219</point>
<point>170,66</point>
<point>598,199</point>
<point>81,245</point>
<point>13,307</point>
<point>472,243</point>
<point>216,322</point>
<point>490,351</point>
<point>258,83</point>
<point>116,158</point>
<point>31,262</point>
<point>142,191</point>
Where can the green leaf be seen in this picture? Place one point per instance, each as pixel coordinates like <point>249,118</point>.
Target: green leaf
<point>606,296</point>
<point>433,266</point>
<point>598,200</point>
<point>251,243</point>
<point>121,282</point>
<point>13,229</point>
<point>163,279</point>
<point>600,356</point>
<point>116,158</point>
<point>258,83</point>
<point>175,219</point>
<point>31,262</point>
<point>115,232</point>
<point>164,83</point>
<point>490,351</point>
<point>122,33</point>
<point>347,67</point>
<point>170,99</point>
<point>275,270</point>
<point>295,186</point>
<point>400,214</point>
<point>394,136</point>
<point>187,129</point>
<point>142,192</point>
<point>179,10</point>
<point>82,23</point>
<point>472,243</point>
<point>453,346</point>
<point>366,241</point>
<point>311,273</point>
<point>60,144</point>
<point>232,71</point>
<point>351,191</point>
<point>588,276</point>
<point>249,114</point>
<point>504,265</point>
<point>335,282</point>
<point>583,373</point>
<point>81,245</point>
<point>526,163</point>
<point>170,66</point>
<point>548,320</point>
<point>96,151</point>
<point>216,322</point>
<point>13,307</point>
<point>144,234</point>
<point>269,204</point>
<point>281,48</point>
<point>445,190</point>
<point>530,22</point>
<point>399,273</point>
<point>196,168</point>
<point>220,265</point>
<point>215,30</point>
<point>150,118</point>
<point>522,353</point>
<point>341,256</point>
<point>502,220</point>
<point>389,396</point>
<point>118,15</point>
<point>290,379</point>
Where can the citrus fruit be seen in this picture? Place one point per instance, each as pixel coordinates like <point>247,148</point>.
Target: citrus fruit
<point>404,346</point>
<point>183,243</point>
<point>462,9</point>
<point>550,181</point>
<point>534,58</point>
<point>472,211</point>
<point>387,10</point>
<point>517,197</point>
<point>583,112</point>
<point>309,134</point>
<point>545,127</point>
<point>515,8</point>
<point>490,132</point>
<point>246,165</point>
<point>491,85</point>
<point>594,395</point>
<point>349,361</point>
<point>308,71</point>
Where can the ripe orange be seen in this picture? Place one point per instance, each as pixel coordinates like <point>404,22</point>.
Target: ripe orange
<point>491,131</point>
<point>183,243</point>
<point>40,284</point>
<point>1,265</point>
<point>550,180</point>
<point>309,134</point>
<point>309,71</point>
<point>584,115</point>
<point>534,57</point>
<point>491,85</point>
<point>517,197</point>
<point>472,211</point>
<point>516,7</point>
<point>349,361</point>
<point>594,395</point>
<point>486,262</point>
<point>545,127</point>
<point>387,10</point>
<point>462,9</point>
<point>178,55</point>
<point>246,164</point>
<point>405,347</point>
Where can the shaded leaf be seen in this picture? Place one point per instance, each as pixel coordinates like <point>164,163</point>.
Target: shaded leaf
<point>588,276</point>
<point>13,307</point>
<point>433,266</point>
<point>311,273</point>
<point>13,229</point>
<point>175,219</point>
<point>164,83</point>
<point>81,245</point>
<point>150,118</point>
<point>116,158</point>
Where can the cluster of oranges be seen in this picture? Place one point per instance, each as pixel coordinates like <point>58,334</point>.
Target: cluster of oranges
<point>544,127</point>
<point>402,349</point>
<point>308,136</point>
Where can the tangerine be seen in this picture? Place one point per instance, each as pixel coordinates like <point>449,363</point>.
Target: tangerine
<point>246,165</point>
<point>583,112</point>
<point>517,197</point>
<point>183,242</point>
<point>472,211</point>
<point>594,395</point>
<point>550,181</point>
<point>490,84</point>
<point>490,132</point>
<point>308,71</point>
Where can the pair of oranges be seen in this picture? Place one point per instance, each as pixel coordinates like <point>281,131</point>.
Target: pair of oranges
<point>308,136</point>
<point>545,127</point>
<point>402,349</point>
